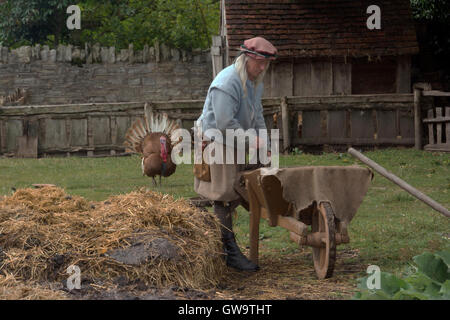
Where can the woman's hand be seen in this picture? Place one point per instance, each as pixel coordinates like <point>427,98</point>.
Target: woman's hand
<point>260,143</point>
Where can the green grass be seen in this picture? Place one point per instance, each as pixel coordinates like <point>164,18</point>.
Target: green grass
<point>93,178</point>
<point>389,229</point>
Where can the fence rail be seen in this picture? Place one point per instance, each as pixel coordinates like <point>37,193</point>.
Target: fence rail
<point>90,129</point>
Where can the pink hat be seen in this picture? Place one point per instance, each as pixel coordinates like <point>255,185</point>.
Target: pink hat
<point>259,48</point>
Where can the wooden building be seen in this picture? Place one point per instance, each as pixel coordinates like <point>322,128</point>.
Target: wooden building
<point>325,47</point>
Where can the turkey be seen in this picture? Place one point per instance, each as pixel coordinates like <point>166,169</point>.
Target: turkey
<point>154,139</point>
<point>19,97</point>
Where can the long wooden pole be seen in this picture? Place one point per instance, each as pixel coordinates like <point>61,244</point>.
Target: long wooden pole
<point>413,191</point>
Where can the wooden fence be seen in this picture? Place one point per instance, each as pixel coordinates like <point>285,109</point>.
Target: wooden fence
<point>438,130</point>
<point>438,124</point>
<point>358,120</point>
<point>99,129</point>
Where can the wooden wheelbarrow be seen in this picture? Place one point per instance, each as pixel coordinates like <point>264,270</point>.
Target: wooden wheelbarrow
<point>307,201</point>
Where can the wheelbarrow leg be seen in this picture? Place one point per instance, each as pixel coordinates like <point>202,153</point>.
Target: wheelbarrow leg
<point>255,216</point>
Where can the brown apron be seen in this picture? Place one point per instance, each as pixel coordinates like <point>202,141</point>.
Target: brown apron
<point>223,177</point>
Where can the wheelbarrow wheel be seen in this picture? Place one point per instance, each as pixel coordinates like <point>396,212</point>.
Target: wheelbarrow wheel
<point>324,256</point>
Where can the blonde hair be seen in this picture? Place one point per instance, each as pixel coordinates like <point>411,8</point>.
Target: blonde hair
<point>240,64</point>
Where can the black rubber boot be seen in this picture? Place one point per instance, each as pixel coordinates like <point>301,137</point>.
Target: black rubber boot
<point>234,257</point>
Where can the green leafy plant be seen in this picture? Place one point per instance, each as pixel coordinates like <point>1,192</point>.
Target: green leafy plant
<point>296,152</point>
<point>430,280</point>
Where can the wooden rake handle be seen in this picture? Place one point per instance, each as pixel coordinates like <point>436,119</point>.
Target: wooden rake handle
<point>402,184</point>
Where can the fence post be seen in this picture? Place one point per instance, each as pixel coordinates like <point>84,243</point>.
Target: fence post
<point>90,137</point>
<point>217,54</point>
<point>417,119</point>
<point>285,121</point>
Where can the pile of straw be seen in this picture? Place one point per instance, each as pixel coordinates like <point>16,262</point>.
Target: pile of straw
<point>44,231</point>
<point>12,289</point>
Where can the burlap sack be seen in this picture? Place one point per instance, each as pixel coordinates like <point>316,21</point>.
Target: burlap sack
<point>343,186</point>
<point>202,172</point>
<point>223,177</point>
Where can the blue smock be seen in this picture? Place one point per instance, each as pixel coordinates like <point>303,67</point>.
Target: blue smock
<point>226,106</point>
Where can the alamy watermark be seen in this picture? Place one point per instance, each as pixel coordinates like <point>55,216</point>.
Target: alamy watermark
<point>74,281</point>
<point>374,21</point>
<point>74,20</point>
<point>374,280</point>
<point>212,147</point>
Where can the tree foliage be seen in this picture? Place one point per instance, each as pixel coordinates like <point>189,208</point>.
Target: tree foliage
<point>434,39</point>
<point>30,21</point>
<point>431,10</point>
<point>184,24</point>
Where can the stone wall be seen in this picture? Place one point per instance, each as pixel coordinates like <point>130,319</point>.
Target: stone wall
<point>70,74</point>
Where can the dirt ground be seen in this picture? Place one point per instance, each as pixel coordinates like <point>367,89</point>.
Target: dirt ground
<point>292,277</point>
<point>287,277</point>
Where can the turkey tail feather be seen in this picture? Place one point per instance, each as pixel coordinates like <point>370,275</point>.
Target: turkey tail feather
<point>147,118</point>
<point>159,122</point>
<point>140,128</point>
<point>153,122</point>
